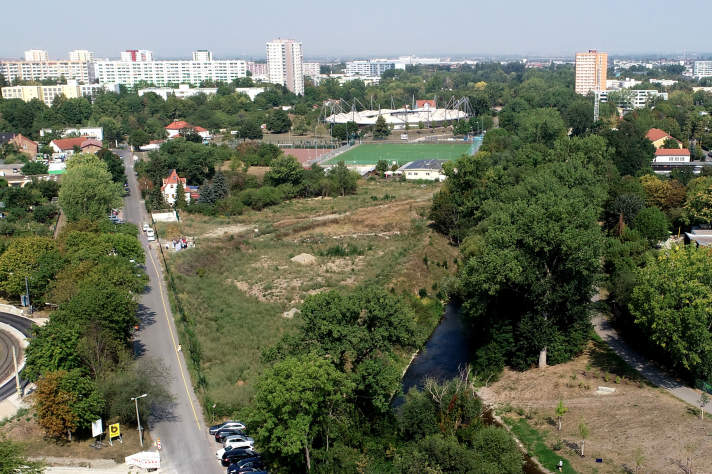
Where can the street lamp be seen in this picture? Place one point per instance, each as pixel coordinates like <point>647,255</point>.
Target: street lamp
<point>140,432</point>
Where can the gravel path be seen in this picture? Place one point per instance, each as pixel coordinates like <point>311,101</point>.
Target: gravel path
<point>650,371</point>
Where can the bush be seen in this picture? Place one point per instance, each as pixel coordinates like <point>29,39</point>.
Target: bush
<point>652,224</point>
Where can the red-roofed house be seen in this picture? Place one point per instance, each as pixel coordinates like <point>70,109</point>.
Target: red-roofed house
<point>425,104</point>
<point>658,137</point>
<point>25,145</point>
<point>170,186</point>
<point>672,155</point>
<point>67,145</point>
<point>174,129</point>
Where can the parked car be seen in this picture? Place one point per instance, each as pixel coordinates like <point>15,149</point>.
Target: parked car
<point>237,438</point>
<point>150,235</point>
<point>234,455</point>
<point>246,465</point>
<point>225,432</point>
<point>236,443</point>
<point>145,229</point>
<point>226,424</point>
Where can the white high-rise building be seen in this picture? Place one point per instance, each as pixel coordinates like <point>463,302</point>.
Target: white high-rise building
<point>81,55</point>
<point>36,55</point>
<point>591,70</point>
<point>285,64</point>
<point>702,69</point>
<point>202,55</point>
<point>137,55</point>
<point>160,73</point>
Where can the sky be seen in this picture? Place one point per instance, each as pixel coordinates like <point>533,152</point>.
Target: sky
<point>353,29</point>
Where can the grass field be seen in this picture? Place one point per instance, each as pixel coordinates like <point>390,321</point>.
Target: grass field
<point>401,153</point>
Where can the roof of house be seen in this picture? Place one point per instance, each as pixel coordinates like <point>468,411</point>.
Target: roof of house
<point>181,124</point>
<point>20,136</point>
<point>91,142</point>
<point>172,179</point>
<point>672,152</point>
<point>419,104</point>
<point>69,143</point>
<point>655,134</point>
<point>423,165</point>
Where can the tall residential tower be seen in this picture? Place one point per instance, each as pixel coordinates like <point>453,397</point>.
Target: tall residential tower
<point>284,64</point>
<point>591,69</point>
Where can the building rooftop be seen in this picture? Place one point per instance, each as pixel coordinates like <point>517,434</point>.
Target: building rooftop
<point>70,143</point>
<point>655,134</point>
<point>181,124</point>
<point>672,152</point>
<point>423,165</point>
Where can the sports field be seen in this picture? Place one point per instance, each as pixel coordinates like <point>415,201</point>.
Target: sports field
<point>401,153</point>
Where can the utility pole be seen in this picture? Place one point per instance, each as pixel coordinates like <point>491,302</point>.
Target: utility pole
<point>17,375</point>
<point>27,292</point>
<point>138,419</point>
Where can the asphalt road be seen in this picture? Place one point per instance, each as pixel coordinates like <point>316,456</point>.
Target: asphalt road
<point>23,325</point>
<point>186,446</point>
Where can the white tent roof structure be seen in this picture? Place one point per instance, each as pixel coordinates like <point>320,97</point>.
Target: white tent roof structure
<point>397,116</point>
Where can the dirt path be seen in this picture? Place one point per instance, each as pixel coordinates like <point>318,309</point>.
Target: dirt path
<point>603,328</point>
<point>229,229</point>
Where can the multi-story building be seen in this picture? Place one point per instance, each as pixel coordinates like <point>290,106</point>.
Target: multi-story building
<point>81,55</point>
<point>702,69</point>
<point>629,99</point>
<point>312,70</point>
<point>161,73</point>
<point>284,64</point>
<point>618,84</point>
<point>182,92</point>
<point>36,55</point>
<point>136,55</point>
<point>591,70</point>
<point>258,70</point>
<point>371,68</point>
<point>202,55</point>
<point>47,94</point>
<point>40,70</point>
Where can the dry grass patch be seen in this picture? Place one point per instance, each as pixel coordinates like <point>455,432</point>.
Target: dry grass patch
<point>636,417</point>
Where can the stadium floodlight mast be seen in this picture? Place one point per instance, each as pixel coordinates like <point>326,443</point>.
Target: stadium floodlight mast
<point>138,420</point>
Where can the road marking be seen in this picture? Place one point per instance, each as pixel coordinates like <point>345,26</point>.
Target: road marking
<point>173,339</point>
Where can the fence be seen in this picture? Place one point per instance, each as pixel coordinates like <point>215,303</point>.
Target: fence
<point>336,152</point>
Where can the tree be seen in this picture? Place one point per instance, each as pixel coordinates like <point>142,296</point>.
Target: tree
<point>671,303</point>
<point>299,126</point>
<point>88,191</point>
<point>652,224</point>
<point>633,152</point>
<point>220,186</point>
<point>664,194</point>
<point>560,412</point>
<point>381,167</point>
<point>345,180</point>
<point>25,258</point>
<point>278,121</point>
<point>284,170</point>
<point>583,433</point>
<point>34,167</point>
<point>671,143</point>
<point>704,399</point>
<point>294,404</point>
<point>138,138</point>
<point>543,126</point>
<point>180,201</point>
<point>381,129</point>
<point>12,456</point>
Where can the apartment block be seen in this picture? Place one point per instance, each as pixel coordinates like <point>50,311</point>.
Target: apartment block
<point>285,64</point>
<point>312,70</point>
<point>136,55</point>
<point>36,55</point>
<point>702,69</point>
<point>80,71</point>
<point>372,67</point>
<point>202,55</point>
<point>81,55</point>
<point>47,94</point>
<point>161,73</point>
<point>591,70</point>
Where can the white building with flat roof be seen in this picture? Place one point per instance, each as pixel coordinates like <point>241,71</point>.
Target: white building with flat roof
<point>181,92</point>
<point>702,69</point>
<point>82,55</point>
<point>36,55</point>
<point>250,92</point>
<point>202,55</point>
<point>161,73</point>
<point>371,67</point>
<point>136,55</point>
<point>632,98</point>
<point>285,64</point>
<point>40,70</point>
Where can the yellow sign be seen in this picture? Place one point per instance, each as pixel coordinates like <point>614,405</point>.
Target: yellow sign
<point>114,430</point>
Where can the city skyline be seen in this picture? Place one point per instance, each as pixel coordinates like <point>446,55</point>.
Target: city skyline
<point>369,29</point>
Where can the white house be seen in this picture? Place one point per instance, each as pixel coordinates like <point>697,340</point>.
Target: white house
<point>427,170</point>
<point>672,155</point>
<point>170,187</point>
<point>174,129</point>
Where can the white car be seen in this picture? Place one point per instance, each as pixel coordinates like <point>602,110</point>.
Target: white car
<point>237,438</point>
<point>150,235</point>
<point>242,444</point>
<point>146,226</point>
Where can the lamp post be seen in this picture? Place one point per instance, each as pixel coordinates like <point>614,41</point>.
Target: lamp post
<point>140,430</point>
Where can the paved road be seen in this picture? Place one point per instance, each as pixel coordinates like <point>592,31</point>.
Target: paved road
<point>23,325</point>
<point>186,446</point>
<point>649,370</point>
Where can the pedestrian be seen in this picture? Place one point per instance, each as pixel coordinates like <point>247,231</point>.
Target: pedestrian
<point>179,348</point>
<point>561,465</point>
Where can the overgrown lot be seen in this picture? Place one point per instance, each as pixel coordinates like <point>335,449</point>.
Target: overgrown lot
<point>237,284</point>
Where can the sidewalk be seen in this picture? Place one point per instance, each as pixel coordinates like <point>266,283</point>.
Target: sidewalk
<point>647,369</point>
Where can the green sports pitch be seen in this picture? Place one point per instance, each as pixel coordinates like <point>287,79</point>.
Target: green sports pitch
<point>401,153</point>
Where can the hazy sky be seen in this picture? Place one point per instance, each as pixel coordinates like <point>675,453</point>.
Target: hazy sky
<point>239,28</point>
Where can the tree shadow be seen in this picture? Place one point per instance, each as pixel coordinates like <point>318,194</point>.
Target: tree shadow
<point>605,359</point>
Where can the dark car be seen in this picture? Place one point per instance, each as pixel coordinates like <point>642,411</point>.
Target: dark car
<point>225,425</point>
<point>220,435</point>
<point>246,465</point>
<point>237,454</point>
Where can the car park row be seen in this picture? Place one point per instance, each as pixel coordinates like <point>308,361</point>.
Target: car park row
<point>238,453</point>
